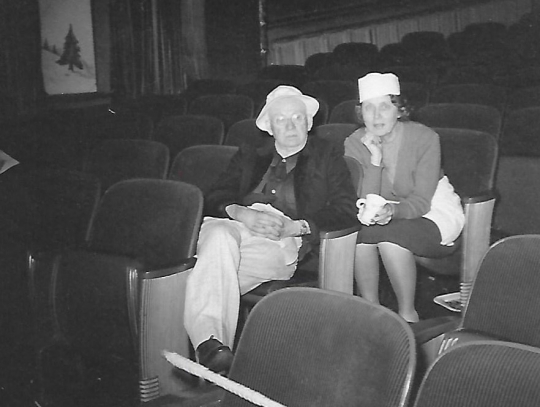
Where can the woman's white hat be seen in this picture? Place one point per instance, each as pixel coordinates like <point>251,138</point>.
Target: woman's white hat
<point>280,94</point>
<point>376,84</point>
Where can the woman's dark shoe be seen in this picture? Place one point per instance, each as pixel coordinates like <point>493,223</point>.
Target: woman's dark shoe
<point>215,356</point>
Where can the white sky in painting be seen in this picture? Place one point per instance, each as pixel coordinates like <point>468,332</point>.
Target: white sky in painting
<point>56,16</point>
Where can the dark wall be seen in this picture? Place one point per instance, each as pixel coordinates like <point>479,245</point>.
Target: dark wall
<point>232,37</point>
<point>279,11</point>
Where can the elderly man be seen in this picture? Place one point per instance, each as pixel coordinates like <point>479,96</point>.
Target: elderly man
<point>267,206</point>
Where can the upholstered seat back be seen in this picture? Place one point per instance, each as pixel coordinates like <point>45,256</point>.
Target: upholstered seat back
<point>257,90</point>
<point>517,210</point>
<point>331,91</point>
<point>483,374</point>
<point>293,75</point>
<point>115,160</point>
<point>504,302</point>
<point>461,116</point>
<point>311,347</point>
<point>246,131</point>
<point>469,158</point>
<point>182,131</point>
<point>476,93</point>
<point>201,165</point>
<point>519,135</point>
<point>115,299</point>
<point>229,108</point>
<point>146,219</point>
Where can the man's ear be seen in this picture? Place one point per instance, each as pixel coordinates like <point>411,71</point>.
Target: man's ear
<point>267,126</point>
<point>309,122</point>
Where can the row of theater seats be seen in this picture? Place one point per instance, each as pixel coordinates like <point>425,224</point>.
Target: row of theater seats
<point>148,385</point>
<point>358,352</point>
<point>515,130</point>
<point>62,139</point>
<point>104,312</point>
<point>341,350</point>
<point>114,160</point>
<point>50,211</point>
<point>100,241</point>
<point>94,295</point>
<point>477,160</point>
<point>509,116</point>
<point>485,52</point>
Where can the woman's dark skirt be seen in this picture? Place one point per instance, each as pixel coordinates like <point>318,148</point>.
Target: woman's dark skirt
<point>421,236</point>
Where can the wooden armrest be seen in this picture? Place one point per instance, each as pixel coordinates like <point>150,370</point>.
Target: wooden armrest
<point>483,197</point>
<point>336,259</point>
<point>40,272</point>
<point>333,234</point>
<point>184,265</point>
<point>428,329</point>
<point>476,240</point>
<point>429,335</point>
<point>431,349</point>
<point>161,327</point>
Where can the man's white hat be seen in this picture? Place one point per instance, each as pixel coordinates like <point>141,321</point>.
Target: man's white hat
<point>376,84</point>
<point>280,94</point>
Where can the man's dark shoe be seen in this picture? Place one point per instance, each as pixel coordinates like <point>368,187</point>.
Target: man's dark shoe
<point>215,356</point>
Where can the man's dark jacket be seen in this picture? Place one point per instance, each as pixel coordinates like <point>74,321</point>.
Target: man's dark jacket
<point>325,196</point>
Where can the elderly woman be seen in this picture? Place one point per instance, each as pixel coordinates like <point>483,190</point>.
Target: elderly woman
<point>401,160</point>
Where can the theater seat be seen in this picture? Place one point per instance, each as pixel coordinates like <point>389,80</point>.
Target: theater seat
<point>476,93</point>
<point>229,108</point>
<point>182,131</point>
<point>325,269</point>
<point>344,112</point>
<point>503,302</point>
<point>331,91</point>
<point>42,211</point>
<point>483,374</point>
<point>305,346</point>
<point>112,161</point>
<point>517,211</point>
<point>469,160</point>
<point>246,131</point>
<point>117,302</point>
<point>519,133</point>
<point>461,116</point>
<point>201,165</point>
<point>331,268</point>
<point>335,132</point>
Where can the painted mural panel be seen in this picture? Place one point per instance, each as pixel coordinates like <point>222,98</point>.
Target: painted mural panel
<point>67,47</point>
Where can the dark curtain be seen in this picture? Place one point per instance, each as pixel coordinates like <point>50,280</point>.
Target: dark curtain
<point>21,81</point>
<point>146,47</point>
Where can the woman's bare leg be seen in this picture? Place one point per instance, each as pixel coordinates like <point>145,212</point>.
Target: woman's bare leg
<point>366,271</point>
<point>401,268</point>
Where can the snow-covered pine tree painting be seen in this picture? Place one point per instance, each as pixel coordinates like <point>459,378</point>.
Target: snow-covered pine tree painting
<point>67,55</point>
<point>72,52</point>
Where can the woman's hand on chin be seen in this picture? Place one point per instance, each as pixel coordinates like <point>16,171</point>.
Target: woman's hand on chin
<point>373,144</point>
